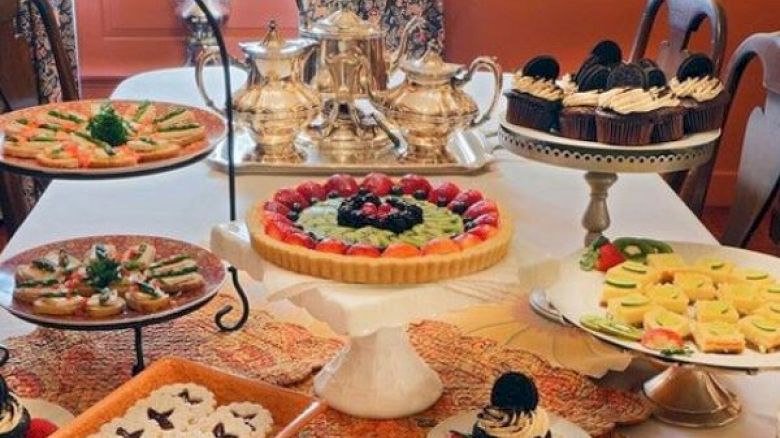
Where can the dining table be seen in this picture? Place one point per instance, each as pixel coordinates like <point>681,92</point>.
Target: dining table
<point>545,202</point>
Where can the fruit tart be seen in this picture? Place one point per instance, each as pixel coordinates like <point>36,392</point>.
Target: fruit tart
<point>380,231</point>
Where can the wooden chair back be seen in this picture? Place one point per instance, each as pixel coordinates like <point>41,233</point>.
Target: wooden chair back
<point>19,89</point>
<point>685,18</point>
<point>758,178</point>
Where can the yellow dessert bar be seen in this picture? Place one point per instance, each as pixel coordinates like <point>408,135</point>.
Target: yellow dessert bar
<point>761,331</point>
<point>710,311</point>
<point>630,270</point>
<point>771,293</point>
<point>658,317</point>
<point>629,309</point>
<point>668,296</point>
<point>665,261</point>
<point>618,287</point>
<point>754,276</point>
<point>697,285</point>
<point>718,337</point>
<point>770,310</point>
<point>745,296</point>
<point>714,264</point>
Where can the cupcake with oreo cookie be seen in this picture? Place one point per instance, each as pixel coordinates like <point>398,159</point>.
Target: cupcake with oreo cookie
<point>535,100</point>
<point>669,113</point>
<point>514,411</point>
<point>702,94</point>
<point>14,418</point>
<point>626,111</point>
<point>577,119</point>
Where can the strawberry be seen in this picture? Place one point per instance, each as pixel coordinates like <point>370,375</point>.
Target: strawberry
<point>276,217</point>
<point>467,240</point>
<point>300,239</point>
<point>486,219</point>
<point>343,185</point>
<point>484,231</point>
<point>609,256</point>
<point>276,208</point>
<point>480,208</point>
<point>279,230</point>
<point>411,183</point>
<point>40,428</point>
<point>330,245</point>
<point>401,250</point>
<point>440,245</point>
<point>311,190</point>
<point>443,193</point>
<point>467,197</point>
<point>291,198</point>
<point>377,183</point>
<point>363,250</point>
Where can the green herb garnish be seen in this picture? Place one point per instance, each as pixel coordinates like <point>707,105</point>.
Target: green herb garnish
<point>170,115</point>
<point>38,283</point>
<point>44,265</point>
<point>679,351</point>
<point>179,127</point>
<point>100,143</point>
<point>182,271</point>
<point>102,271</point>
<point>169,261</point>
<point>141,110</point>
<point>107,126</point>
<point>63,116</point>
<point>147,289</point>
<point>22,121</point>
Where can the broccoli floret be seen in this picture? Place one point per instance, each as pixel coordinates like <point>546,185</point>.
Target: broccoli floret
<point>108,127</point>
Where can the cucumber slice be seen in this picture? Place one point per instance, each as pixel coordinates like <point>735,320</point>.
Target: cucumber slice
<point>635,267</point>
<point>621,283</point>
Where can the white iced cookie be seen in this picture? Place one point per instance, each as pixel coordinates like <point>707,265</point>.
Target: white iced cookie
<point>198,399</point>
<point>168,413</point>
<point>222,423</point>
<point>253,415</point>
<point>128,427</point>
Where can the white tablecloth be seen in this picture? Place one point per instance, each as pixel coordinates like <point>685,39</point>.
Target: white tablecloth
<point>546,202</point>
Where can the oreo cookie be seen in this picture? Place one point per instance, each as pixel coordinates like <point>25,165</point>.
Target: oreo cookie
<point>542,67</point>
<point>655,77</point>
<point>627,76</point>
<point>589,62</point>
<point>594,78</point>
<point>514,391</point>
<point>697,65</point>
<point>608,53</point>
<point>647,63</point>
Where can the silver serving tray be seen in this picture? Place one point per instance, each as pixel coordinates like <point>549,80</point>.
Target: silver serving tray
<point>468,148</point>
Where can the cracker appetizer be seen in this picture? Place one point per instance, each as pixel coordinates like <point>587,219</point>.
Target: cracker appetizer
<point>104,304</point>
<point>146,298</point>
<point>58,304</point>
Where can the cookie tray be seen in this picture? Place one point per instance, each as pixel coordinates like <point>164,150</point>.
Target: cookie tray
<point>470,150</point>
<point>291,411</point>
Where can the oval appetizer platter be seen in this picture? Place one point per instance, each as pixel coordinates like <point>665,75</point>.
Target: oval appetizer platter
<point>106,138</point>
<point>702,304</point>
<point>109,282</point>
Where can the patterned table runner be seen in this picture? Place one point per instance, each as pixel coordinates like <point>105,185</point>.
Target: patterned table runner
<point>77,369</point>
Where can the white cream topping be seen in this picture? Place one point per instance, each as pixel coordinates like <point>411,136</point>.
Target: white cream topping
<point>537,87</point>
<point>512,424</point>
<point>11,415</point>
<point>635,100</point>
<point>567,84</point>
<point>585,98</point>
<point>109,299</point>
<point>699,89</point>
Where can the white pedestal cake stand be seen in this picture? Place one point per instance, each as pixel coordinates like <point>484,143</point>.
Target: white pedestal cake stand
<point>602,162</point>
<point>378,374</point>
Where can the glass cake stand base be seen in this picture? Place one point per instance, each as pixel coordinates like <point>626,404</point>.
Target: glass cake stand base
<point>689,396</point>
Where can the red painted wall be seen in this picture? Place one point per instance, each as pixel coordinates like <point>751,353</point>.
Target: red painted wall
<point>122,37</point>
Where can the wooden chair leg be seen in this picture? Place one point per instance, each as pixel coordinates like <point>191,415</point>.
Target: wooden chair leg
<point>12,201</point>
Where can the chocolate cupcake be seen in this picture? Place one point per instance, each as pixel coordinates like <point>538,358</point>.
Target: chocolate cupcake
<point>668,124</point>
<point>514,411</point>
<point>701,93</point>
<point>625,117</point>
<point>577,119</point>
<point>14,418</point>
<point>535,99</point>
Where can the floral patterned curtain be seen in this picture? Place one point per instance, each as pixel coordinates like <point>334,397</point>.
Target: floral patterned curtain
<point>31,27</point>
<point>393,16</point>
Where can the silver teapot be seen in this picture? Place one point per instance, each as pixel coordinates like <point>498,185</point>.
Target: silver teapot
<point>344,32</point>
<point>430,104</point>
<point>274,104</point>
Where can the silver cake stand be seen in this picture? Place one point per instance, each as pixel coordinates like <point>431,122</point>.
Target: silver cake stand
<point>602,162</point>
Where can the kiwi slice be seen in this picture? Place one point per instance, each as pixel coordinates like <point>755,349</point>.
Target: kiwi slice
<point>634,301</point>
<point>620,283</point>
<point>763,325</point>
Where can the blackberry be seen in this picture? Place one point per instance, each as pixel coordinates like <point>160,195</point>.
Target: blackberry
<point>333,194</point>
<point>293,216</point>
<point>441,201</point>
<point>396,190</point>
<point>297,207</point>
<point>420,195</point>
<point>458,207</point>
<point>313,201</point>
<point>363,191</point>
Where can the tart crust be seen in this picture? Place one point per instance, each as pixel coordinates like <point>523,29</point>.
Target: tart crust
<point>368,270</point>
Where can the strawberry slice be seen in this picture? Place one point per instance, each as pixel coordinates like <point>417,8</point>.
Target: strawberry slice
<point>467,197</point>
<point>341,184</point>
<point>311,190</point>
<point>291,198</point>
<point>443,193</point>
<point>276,207</point>
<point>377,183</point>
<point>662,339</point>
<point>480,208</point>
<point>300,239</point>
<point>40,428</point>
<point>331,245</point>
<point>363,250</point>
<point>412,183</point>
<point>609,255</point>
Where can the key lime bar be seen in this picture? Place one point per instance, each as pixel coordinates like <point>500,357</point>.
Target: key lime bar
<point>630,270</point>
<point>711,311</point>
<point>629,309</point>
<point>658,317</point>
<point>718,337</point>
<point>618,288</point>
<point>761,331</point>
<point>696,285</point>
<point>745,296</point>
<point>668,296</point>
<point>770,310</point>
<point>771,293</point>
<point>754,276</point>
